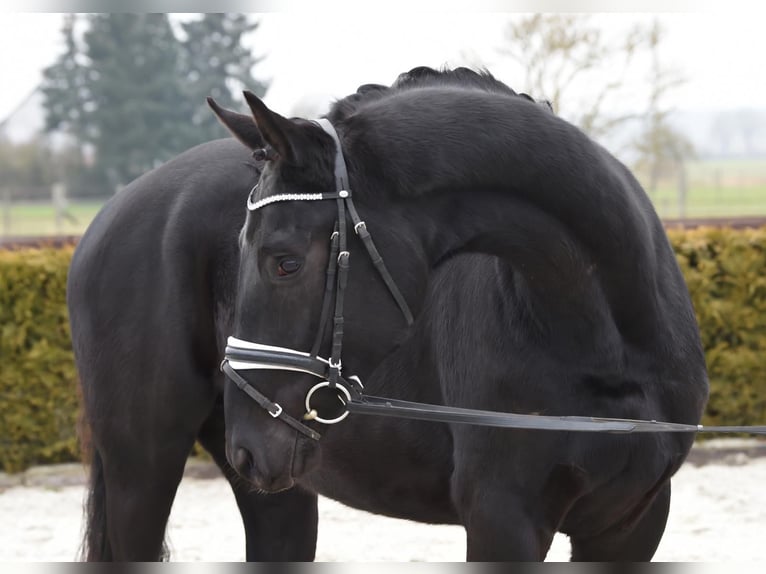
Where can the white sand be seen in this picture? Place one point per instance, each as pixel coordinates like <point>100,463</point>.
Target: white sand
<point>718,514</point>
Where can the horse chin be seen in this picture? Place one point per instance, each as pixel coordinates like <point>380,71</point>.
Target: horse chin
<point>304,461</point>
<point>274,486</point>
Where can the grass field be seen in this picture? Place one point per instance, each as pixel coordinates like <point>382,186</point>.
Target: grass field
<point>33,219</point>
<point>711,202</point>
<point>721,188</point>
<point>717,188</point>
<point>728,170</point>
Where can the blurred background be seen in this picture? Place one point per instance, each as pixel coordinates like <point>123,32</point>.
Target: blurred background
<point>92,101</point>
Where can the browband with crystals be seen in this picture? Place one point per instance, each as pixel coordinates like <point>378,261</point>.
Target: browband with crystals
<point>253,205</point>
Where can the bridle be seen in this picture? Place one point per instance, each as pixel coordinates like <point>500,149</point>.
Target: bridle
<point>245,355</point>
<point>241,354</point>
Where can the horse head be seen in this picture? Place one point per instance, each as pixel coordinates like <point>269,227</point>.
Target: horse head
<point>289,254</point>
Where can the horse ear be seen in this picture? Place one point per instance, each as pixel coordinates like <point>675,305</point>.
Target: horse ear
<point>241,126</point>
<point>279,132</point>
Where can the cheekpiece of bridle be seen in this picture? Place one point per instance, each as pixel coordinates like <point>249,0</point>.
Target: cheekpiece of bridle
<point>245,355</point>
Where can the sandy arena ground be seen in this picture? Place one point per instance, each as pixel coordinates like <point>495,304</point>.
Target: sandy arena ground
<point>718,514</point>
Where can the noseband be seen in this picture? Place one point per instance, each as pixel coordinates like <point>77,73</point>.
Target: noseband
<point>245,355</point>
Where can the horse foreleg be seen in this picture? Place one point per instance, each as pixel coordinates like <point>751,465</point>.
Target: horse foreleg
<point>634,540</point>
<point>507,519</point>
<point>500,529</point>
<point>278,527</point>
<point>140,489</point>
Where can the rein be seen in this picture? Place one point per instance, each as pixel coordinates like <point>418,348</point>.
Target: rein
<point>245,355</point>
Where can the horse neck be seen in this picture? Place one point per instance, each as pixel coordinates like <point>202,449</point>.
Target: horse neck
<point>507,145</point>
<point>535,191</point>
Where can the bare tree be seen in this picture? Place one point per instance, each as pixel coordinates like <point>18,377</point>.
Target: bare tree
<point>662,150</point>
<point>567,55</point>
<point>558,51</point>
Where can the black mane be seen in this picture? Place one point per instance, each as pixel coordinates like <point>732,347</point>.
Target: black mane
<point>423,77</point>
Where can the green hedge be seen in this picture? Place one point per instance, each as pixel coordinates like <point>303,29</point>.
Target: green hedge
<point>724,269</point>
<point>38,390</point>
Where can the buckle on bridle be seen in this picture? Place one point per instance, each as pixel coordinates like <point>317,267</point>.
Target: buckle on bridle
<point>338,365</point>
<point>358,225</point>
<point>277,412</point>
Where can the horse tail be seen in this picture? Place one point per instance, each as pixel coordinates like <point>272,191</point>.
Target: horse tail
<point>95,544</point>
<point>95,547</point>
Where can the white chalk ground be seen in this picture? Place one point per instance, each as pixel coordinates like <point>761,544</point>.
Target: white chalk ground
<point>718,514</point>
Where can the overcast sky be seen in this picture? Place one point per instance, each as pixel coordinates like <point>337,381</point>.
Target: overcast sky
<point>325,55</point>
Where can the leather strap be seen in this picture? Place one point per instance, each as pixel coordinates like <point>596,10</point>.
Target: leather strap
<point>329,287</point>
<point>360,227</point>
<point>275,410</point>
<point>340,292</point>
<point>371,405</point>
<point>341,173</point>
<point>288,361</point>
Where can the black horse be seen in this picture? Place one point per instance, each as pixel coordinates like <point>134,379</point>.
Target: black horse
<point>540,279</point>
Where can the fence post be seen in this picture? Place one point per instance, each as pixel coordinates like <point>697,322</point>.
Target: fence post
<point>58,197</point>
<point>6,210</point>
<point>683,189</point>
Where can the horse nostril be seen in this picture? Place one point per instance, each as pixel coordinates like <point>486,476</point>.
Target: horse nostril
<point>243,461</point>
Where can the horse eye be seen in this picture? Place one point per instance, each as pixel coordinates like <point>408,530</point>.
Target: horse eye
<point>288,266</point>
